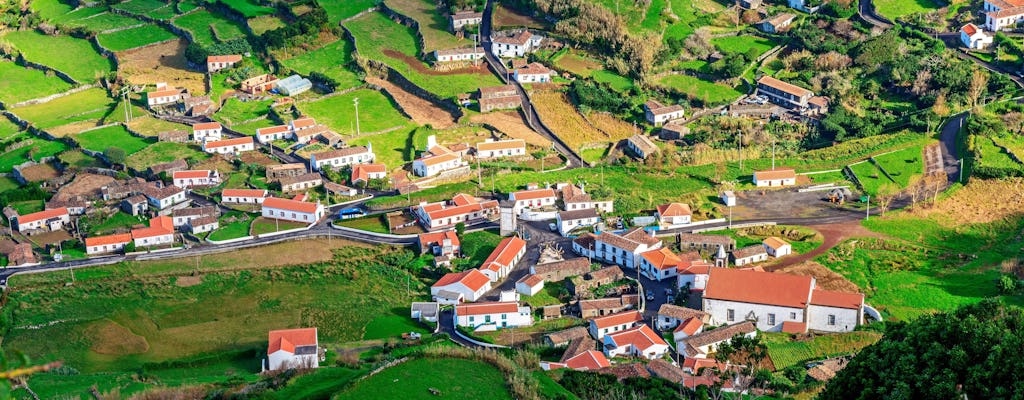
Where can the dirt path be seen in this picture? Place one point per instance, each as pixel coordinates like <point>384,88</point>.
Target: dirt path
<point>833,234</point>
<point>421,111</point>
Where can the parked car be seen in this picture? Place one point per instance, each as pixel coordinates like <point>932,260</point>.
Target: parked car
<point>553,227</point>
<point>650,295</point>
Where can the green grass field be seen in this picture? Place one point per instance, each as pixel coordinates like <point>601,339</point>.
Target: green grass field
<point>251,127</point>
<point>376,113</point>
<point>476,247</point>
<point>742,44</point>
<point>262,225</point>
<point>871,178</point>
<point>785,352</point>
<point>134,37</point>
<point>393,148</point>
<point>118,221</point>
<point>102,22</point>
<point>988,154</point>
<point>8,129</point>
<point>162,152</point>
<point>202,23</point>
<point>27,206</point>
<point>320,384</point>
<point>893,9</point>
<point>49,9</point>
<point>615,81</point>
<point>332,60</point>
<point>145,125</point>
<point>249,8</point>
<point>419,375</point>
<point>78,159</point>
<point>140,6</point>
<point>802,239</point>
<point>87,105</point>
<point>707,92</point>
<point>77,57</point>
<point>38,147</point>
<point>237,228</point>
<point>20,83</point>
<point>235,110</point>
<point>339,10</point>
<point>433,24</point>
<point>903,164</point>
<point>111,136</point>
<point>392,326</point>
<point>377,35</point>
<point>373,223</point>
<point>77,14</point>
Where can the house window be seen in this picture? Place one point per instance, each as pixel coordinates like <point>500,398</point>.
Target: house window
<point>771,319</point>
<point>831,319</point>
<point>792,315</point>
<point>470,318</point>
<point>730,315</point>
<point>504,316</point>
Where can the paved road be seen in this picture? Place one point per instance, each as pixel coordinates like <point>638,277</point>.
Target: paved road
<point>575,161</point>
<point>866,10</point>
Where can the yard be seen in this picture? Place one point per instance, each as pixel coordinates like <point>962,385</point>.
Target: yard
<point>162,152</point>
<point>111,136</point>
<point>902,165</point>
<point>433,24</point>
<point>119,318</point>
<point>419,375</point>
<point>88,105</point>
<point>20,83</point>
<point>249,128</point>
<point>392,326</point>
<point>265,225</point>
<point>134,37</point>
<point>476,247</point>
<point>801,239</point>
<point>785,351</point>
<point>393,148</point>
<point>202,24</point>
<point>97,225</point>
<point>77,57</point>
<point>372,223</point>
<point>233,225</point>
<point>893,9</point>
<point>150,126</point>
<point>588,67</point>
<point>872,180</point>
<point>376,113</point>
<point>237,111</point>
<point>707,92</point>
<point>332,60</point>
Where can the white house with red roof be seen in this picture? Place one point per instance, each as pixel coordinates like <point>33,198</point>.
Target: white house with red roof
<point>832,311</point>
<point>444,243</point>
<point>217,63</point>
<point>529,199</point>
<point>292,349</point>
<point>775,177</point>
<point>53,219</point>
<point>624,250</point>
<point>501,148</point>
<point>164,197</point>
<point>671,316</point>
<point>514,44</point>
<point>1000,14</point>
<point>243,196</point>
<point>163,96</point>
<point>272,133</point>
<point>590,360</point>
<point>207,131</point>
<point>367,172</point>
<point>462,208</point>
<point>673,214</point>
<point>453,288</point>
<point>106,244</point>
<point>292,210</point>
<point>701,344</point>
<point>530,285</point>
<point>437,160</point>
<point>777,247</point>
<point>189,178</point>
<point>660,264</point>
<point>491,316</point>
<point>974,38</point>
<point>601,326</point>
<point>659,114</point>
<point>342,157</point>
<point>230,146</point>
<point>533,73</point>
<point>504,257</point>
<point>693,274</point>
<point>159,232</point>
<point>639,341</point>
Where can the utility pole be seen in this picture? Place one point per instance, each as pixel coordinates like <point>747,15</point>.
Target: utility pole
<point>730,217</point>
<point>355,102</point>
<point>773,153</point>
<point>739,150</point>
<point>867,211</point>
<point>961,174</point>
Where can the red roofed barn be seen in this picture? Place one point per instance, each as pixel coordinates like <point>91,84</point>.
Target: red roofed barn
<point>292,348</point>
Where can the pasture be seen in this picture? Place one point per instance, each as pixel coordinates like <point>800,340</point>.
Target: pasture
<point>87,105</point>
<point>149,126</point>
<point>707,92</point>
<point>743,44</point>
<point>903,164</point>
<point>202,25</point>
<point>111,136</point>
<point>893,9</point>
<point>419,375</point>
<point>101,22</point>
<point>376,113</point>
<point>21,84</point>
<point>393,148</point>
<point>235,111</point>
<point>433,24</point>
<point>333,60</point>
<point>339,10</point>
<point>140,6</point>
<point>49,9</point>
<point>249,8</point>
<point>36,147</point>
<point>77,57</point>
<point>871,178</point>
<point>162,152</point>
<point>134,37</point>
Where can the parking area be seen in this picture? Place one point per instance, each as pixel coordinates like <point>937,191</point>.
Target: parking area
<point>785,203</point>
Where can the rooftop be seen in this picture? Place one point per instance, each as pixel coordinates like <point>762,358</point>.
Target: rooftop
<point>759,287</point>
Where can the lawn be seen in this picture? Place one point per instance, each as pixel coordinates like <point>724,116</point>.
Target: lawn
<point>249,128</point>
<point>86,105</point>
<point>373,223</point>
<point>742,44</point>
<point>893,9</point>
<point>394,148</point>
<point>233,225</point>
<point>339,10</point>
<point>27,207</point>
<point>77,57</point>
<point>49,9</point>
<point>263,225</point>
<point>162,152</point>
<point>382,39</point>
<point>785,351</point>
<point>248,8</point>
<point>134,37</point>
<point>102,22</point>
<point>111,136</point>
<point>202,23</point>
<point>903,164</point>
<point>419,375</point>
<point>319,384</point>
<point>987,154</point>
<point>871,178</point>
<point>476,247</point>
<point>149,126</point>
<point>376,113</point>
<point>707,92</point>
<point>20,83</point>
<point>125,317</point>
<point>333,60</point>
<point>237,111</point>
<point>392,326</point>
<point>102,225</point>
<point>80,13</point>
<point>78,159</point>
<point>546,297</point>
<point>615,81</point>
<point>433,24</point>
<point>39,148</point>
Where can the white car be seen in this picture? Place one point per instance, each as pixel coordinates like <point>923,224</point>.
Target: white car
<point>553,227</point>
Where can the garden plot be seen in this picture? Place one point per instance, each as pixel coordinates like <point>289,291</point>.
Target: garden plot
<point>870,177</point>
<point>162,152</point>
<point>85,106</point>
<point>333,60</point>
<point>511,123</point>
<point>150,126</point>
<point>112,136</point>
<point>393,148</point>
<point>376,113</point>
<point>433,25</point>
<point>135,37</point>
<point>202,24</point>
<point>747,45</point>
<point>21,84</point>
<point>77,57</point>
<point>559,114</point>
<point>161,63</point>
<point>420,375</point>
<point>902,165</point>
<point>893,9</point>
<point>590,68</point>
<point>708,93</point>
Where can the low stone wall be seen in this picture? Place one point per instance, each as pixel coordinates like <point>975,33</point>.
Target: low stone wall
<point>54,96</point>
<point>407,21</point>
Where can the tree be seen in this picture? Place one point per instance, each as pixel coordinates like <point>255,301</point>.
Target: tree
<point>972,352</point>
<point>1007,284</point>
<point>460,228</point>
<point>115,155</point>
<point>744,356</point>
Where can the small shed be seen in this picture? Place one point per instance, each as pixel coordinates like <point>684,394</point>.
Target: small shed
<point>425,311</point>
<point>729,198</point>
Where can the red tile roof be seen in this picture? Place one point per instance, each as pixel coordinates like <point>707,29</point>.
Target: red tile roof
<point>759,287</point>
<point>363,171</point>
<point>623,318</point>
<point>108,239</point>
<point>192,174</point>
<point>272,130</point>
<point>641,337</point>
<point>429,238</point>
<point>438,159</point>
<point>662,258</point>
<point>506,251</point>
<point>42,215</point>
<point>202,126</point>
<point>775,242</point>
<point>533,194</point>
<point>229,142</point>
<point>163,93</point>
<point>244,193</point>
<point>227,58</point>
<point>472,279</point>
<point>304,122</point>
<point>783,86</point>
<point>159,226</point>
<point>290,205</point>
<point>794,327</point>
<point>829,298</point>
<point>288,339</point>
<point>780,173</point>
<point>698,267</point>
<point>502,145</point>
<point>588,360</point>
<point>674,210</point>
<point>532,280</point>
<point>690,326</point>
<point>487,308</point>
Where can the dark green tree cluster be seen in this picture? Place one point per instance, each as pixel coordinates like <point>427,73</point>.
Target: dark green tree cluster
<point>196,53</point>
<point>594,96</point>
<point>974,352</point>
<point>594,386</point>
<point>307,24</point>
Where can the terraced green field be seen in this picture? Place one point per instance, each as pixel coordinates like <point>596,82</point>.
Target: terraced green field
<point>20,83</point>
<point>375,112</point>
<point>249,8</point>
<point>134,37</point>
<point>77,57</point>
<point>339,10</point>
<point>111,136</point>
<point>202,24</point>
<point>38,147</point>
<point>331,60</point>
<point>86,105</point>
<point>103,22</point>
<point>708,92</point>
<point>141,6</point>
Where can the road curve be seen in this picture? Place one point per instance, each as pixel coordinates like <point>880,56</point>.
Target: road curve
<point>866,11</point>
